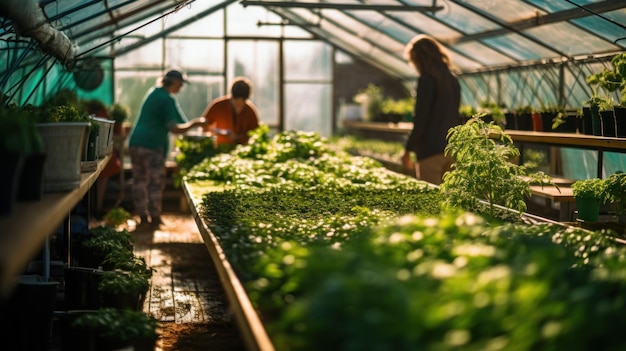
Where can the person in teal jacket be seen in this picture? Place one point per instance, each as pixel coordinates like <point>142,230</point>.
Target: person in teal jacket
<point>148,146</point>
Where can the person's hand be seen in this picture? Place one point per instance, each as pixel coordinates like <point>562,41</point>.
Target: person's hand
<point>406,160</point>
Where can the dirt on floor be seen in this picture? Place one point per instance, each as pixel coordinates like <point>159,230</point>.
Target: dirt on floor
<point>186,293</point>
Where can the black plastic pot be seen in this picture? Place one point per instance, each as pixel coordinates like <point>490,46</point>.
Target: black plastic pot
<point>9,180</point>
<point>510,121</point>
<point>28,314</point>
<point>81,288</point>
<point>620,121</point>
<point>31,183</point>
<point>608,123</point>
<point>524,121</point>
<point>587,123</point>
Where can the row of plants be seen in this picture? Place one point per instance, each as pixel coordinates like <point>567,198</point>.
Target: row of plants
<point>377,107</point>
<point>105,290</point>
<point>43,146</point>
<point>336,252</point>
<point>591,193</point>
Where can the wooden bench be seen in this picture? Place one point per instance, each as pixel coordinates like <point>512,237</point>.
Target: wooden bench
<point>561,197</point>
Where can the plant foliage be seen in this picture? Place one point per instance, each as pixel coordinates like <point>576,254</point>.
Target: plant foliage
<point>483,168</point>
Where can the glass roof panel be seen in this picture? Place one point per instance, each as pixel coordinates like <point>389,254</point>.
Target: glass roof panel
<point>463,20</point>
<point>519,47</point>
<point>558,5</point>
<point>214,27</point>
<point>503,10</point>
<point>485,55</point>
<point>424,24</point>
<point>570,40</point>
<point>239,25</point>
<point>609,31</point>
<point>382,23</point>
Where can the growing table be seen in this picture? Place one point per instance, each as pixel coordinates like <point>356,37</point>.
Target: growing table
<point>27,228</point>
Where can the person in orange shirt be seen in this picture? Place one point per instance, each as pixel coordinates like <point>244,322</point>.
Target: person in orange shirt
<point>232,116</point>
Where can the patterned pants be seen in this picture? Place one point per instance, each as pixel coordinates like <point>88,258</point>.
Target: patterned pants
<point>148,180</point>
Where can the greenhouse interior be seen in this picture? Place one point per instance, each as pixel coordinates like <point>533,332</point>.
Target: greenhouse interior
<point>309,193</point>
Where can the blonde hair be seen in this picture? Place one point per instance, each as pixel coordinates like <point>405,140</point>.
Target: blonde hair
<point>425,53</point>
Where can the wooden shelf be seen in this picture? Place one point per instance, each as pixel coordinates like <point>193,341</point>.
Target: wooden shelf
<point>574,140</point>
<point>26,228</point>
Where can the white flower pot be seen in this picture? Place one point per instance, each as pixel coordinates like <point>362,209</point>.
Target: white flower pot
<point>64,144</point>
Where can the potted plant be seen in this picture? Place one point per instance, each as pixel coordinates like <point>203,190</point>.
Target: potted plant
<point>589,194</point>
<point>112,329</point>
<point>491,111</point>
<point>119,113</point>
<point>116,217</point>
<point>64,131</point>
<point>371,99</point>
<point>523,117</point>
<point>397,110</point>
<point>615,189</point>
<point>93,249</point>
<point>13,147</point>
<point>467,112</point>
<point>124,289</point>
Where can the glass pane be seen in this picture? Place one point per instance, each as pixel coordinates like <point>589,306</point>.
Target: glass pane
<point>243,21</point>
<point>207,26</point>
<point>464,20</point>
<point>195,54</point>
<point>308,108</point>
<point>519,48</point>
<point>609,31</point>
<point>307,60</point>
<point>258,61</point>
<point>504,10</point>
<point>201,90</point>
<point>569,39</point>
<point>149,55</point>
<point>482,54</point>
<point>131,88</point>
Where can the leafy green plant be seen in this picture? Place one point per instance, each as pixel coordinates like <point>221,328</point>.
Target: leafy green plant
<point>401,106</point>
<point>116,216</point>
<point>492,109</point>
<point>372,97</point>
<point>121,282</point>
<point>107,239</point>
<point>119,112</point>
<point>592,188</point>
<point>467,112</point>
<point>615,190</point>
<point>524,109</point>
<point>18,132</point>
<point>483,169</point>
<point>121,325</point>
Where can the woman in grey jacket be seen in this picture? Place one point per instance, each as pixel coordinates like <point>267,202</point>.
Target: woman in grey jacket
<point>436,108</point>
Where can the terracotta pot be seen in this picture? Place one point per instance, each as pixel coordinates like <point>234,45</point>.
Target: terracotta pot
<point>537,122</point>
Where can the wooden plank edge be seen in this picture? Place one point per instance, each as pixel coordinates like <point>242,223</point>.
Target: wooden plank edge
<point>250,326</point>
